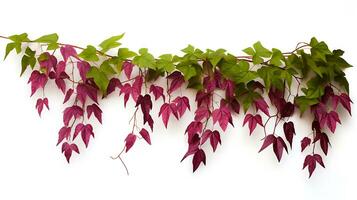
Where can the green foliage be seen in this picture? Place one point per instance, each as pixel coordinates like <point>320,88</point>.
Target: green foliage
<point>111,43</point>
<point>89,54</point>
<point>258,53</point>
<point>100,78</point>
<point>50,39</point>
<point>28,59</point>
<point>145,59</point>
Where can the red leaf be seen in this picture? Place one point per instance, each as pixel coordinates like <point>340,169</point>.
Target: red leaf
<point>129,141</point>
<point>73,111</point>
<point>229,89</point>
<point>324,142</point>
<point>176,81</point>
<point>331,119</point>
<point>289,132</point>
<point>113,83</point>
<point>269,139</point>
<point>278,148</point>
<point>166,110</point>
<point>203,98</point>
<point>63,133</point>
<point>61,84</point>
<point>37,81</point>
<point>198,157</point>
<point>235,106</point>
<point>192,146</point>
<point>128,68</point>
<point>193,128</point>
<point>67,150</point>
<point>84,90</point>
<point>40,103</point>
<point>145,134</point>
<point>126,90</point>
<point>215,138</point>
<point>96,110</point>
<point>68,95</point>
<point>86,132</point>
<point>157,91</point>
<point>78,129</point>
<point>319,160</point>
<point>83,68</point>
<point>206,135</point>
<point>287,110</point>
<point>67,51</point>
<point>209,83</point>
<point>182,104</point>
<point>311,163</point>
<point>260,104</point>
<point>222,115</point>
<point>345,100</point>
<point>304,143</point>
<point>47,62</point>
<point>252,120</point>
<point>202,113</point>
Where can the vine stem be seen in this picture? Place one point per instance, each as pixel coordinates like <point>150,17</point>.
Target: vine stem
<point>119,157</point>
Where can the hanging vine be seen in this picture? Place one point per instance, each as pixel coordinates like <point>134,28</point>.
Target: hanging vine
<point>267,86</point>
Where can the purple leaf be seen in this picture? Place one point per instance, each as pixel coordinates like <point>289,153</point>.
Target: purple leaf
<point>70,112</point>
<point>202,113</point>
<point>83,68</point>
<point>304,143</point>
<point>84,90</point>
<point>260,104</point>
<point>113,83</point>
<point>182,104</point>
<point>145,134</point>
<point>176,81</point>
<point>166,110</point>
<point>252,120</point>
<point>86,132</point>
<point>96,110</point>
<point>222,115</point>
<point>128,68</point>
<point>129,141</point>
<point>278,148</point>
<point>198,157</point>
<point>157,91</point>
<point>67,150</point>
<point>68,51</point>
<point>68,95</point>
<point>78,129</point>
<point>40,103</point>
<point>345,100</point>
<point>63,133</point>
<point>269,139</point>
<point>215,138</point>
<point>37,81</point>
<point>289,131</point>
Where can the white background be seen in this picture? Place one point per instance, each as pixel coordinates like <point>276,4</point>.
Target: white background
<point>32,167</point>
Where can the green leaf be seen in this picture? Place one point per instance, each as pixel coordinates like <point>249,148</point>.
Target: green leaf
<point>189,49</point>
<point>111,43</point>
<point>276,58</point>
<point>100,79</point>
<point>238,72</point>
<point>310,63</point>
<point>249,51</point>
<point>187,70</point>
<point>28,60</point>
<point>125,53</point>
<point>261,51</point>
<point>9,47</point>
<point>215,56</point>
<point>89,54</point>
<point>107,68</point>
<point>165,62</point>
<point>257,59</point>
<point>145,59</point>
<point>51,38</point>
<point>19,38</point>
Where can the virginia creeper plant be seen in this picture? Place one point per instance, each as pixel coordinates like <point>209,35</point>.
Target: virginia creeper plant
<point>266,86</point>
